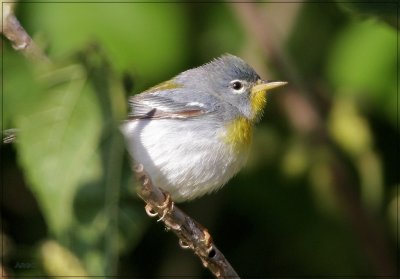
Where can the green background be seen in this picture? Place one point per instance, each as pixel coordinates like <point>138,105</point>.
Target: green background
<point>318,197</point>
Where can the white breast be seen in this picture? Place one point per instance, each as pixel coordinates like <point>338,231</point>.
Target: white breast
<point>184,157</point>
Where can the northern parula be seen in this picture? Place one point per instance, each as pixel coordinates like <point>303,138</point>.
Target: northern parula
<point>193,133</point>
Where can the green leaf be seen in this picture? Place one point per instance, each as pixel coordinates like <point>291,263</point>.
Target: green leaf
<point>73,156</point>
<point>20,88</point>
<point>59,134</point>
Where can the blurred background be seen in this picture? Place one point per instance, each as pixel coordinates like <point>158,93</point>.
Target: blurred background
<point>320,193</point>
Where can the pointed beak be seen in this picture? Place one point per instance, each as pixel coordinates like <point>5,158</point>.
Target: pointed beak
<point>263,85</point>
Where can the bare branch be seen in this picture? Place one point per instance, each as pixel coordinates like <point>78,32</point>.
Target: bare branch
<point>191,234</point>
<point>21,41</point>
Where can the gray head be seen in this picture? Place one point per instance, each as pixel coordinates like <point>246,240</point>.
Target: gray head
<point>228,67</point>
<point>232,81</point>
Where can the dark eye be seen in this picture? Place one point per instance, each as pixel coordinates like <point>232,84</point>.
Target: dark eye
<point>236,85</point>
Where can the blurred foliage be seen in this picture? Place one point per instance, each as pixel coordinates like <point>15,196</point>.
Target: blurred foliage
<point>363,63</point>
<point>69,206</point>
<point>113,26</point>
<point>385,11</point>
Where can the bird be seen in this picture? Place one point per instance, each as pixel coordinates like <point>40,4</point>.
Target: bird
<point>193,133</point>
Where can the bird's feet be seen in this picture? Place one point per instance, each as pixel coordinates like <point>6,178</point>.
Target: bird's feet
<point>166,207</point>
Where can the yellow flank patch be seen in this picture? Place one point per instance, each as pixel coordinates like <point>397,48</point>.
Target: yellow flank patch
<point>258,101</point>
<point>166,85</point>
<point>239,133</point>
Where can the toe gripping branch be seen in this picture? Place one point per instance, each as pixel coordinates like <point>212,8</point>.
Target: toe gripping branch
<point>191,234</point>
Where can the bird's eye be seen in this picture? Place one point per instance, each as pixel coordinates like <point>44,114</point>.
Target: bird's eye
<point>237,85</point>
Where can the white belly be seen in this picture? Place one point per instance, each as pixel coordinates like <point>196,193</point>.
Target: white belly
<point>182,157</point>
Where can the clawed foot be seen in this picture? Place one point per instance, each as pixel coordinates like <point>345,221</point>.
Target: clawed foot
<point>166,207</point>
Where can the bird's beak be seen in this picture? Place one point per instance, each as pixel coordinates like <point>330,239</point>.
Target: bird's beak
<point>263,85</point>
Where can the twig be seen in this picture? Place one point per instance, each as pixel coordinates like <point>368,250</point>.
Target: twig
<point>20,39</point>
<point>9,136</point>
<point>22,42</point>
<point>191,234</point>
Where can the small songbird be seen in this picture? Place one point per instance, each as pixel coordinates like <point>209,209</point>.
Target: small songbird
<point>193,133</point>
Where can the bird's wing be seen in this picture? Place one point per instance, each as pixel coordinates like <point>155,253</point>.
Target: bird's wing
<point>162,106</point>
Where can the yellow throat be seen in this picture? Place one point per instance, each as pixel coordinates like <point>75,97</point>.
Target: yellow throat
<point>239,133</point>
<point>258,100</point>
